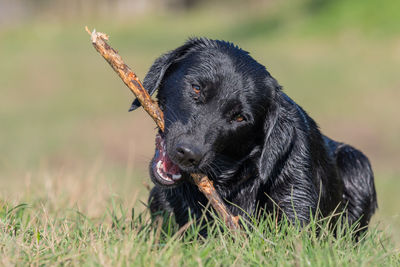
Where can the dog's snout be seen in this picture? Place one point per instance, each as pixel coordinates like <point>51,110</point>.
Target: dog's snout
<point>188,155</point>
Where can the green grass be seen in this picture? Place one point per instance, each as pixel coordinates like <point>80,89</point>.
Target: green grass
<point>42,233</point>
<point>69,149</point>
<point>91,219</point>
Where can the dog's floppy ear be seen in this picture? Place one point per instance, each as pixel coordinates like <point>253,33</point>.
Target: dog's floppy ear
<point>160,66</point>
<point>275,138</point>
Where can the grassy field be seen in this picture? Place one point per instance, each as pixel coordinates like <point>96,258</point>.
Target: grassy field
<point>73,160</point>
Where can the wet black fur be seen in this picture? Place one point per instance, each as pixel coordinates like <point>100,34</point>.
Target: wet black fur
<point>277,156</point>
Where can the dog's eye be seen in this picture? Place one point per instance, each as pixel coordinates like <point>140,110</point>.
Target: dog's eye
<point>238,118</point>
<point>196,88</point>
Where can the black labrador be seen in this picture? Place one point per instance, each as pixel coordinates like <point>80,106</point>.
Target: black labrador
<point>227,117</point>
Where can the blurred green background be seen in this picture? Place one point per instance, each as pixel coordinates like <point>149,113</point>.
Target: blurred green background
<point>63,111</point>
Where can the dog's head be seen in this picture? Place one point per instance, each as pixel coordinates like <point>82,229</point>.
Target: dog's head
<point>215,99</point>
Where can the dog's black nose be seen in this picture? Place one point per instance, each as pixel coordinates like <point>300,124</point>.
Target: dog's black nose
<point>188,155</point>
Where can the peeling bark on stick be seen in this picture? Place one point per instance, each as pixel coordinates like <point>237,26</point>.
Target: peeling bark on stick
<point>99,41</point>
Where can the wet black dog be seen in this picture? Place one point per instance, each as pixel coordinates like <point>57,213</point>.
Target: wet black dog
<point>225,116</point>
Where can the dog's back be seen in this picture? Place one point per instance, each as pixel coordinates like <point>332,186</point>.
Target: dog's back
<point>359,193</point>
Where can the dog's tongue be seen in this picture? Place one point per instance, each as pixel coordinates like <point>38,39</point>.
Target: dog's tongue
<point>169,166</point>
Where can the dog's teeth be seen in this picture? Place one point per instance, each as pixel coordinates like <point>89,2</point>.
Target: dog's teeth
<point>176,176</point>
<point>159,166</point>
<point>161,173</point>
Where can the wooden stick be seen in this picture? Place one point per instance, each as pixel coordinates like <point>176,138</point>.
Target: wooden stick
<point>99,41</point>
<point>207,188</point>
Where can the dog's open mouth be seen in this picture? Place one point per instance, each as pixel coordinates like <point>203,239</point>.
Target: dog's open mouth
<point>166,172</point>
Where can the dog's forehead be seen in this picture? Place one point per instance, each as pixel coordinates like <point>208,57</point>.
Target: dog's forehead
<point>214,68</point>
<point>209,61</point>
<point>220,75</point>
<point>225,75</point>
